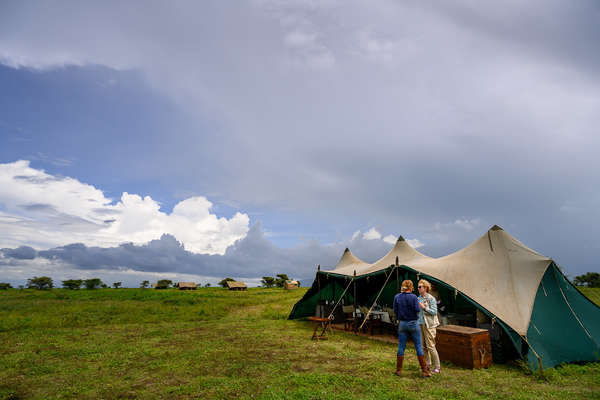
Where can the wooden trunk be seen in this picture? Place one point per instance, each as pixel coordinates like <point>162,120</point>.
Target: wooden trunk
<point>464,346</point>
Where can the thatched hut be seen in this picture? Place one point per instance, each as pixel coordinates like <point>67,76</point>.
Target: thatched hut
<point>186,286</point>
<point>233,285</point>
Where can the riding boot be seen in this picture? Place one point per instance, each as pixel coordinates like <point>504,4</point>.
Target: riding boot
<point>399,360</point>
<point>424,370</point>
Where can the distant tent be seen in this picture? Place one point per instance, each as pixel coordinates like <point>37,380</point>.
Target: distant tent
<point>233,285</point>
<point>535,313</point>
<point>186,286</point>
<point>290,285</point>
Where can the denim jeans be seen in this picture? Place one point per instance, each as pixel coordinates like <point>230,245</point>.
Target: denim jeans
<point>406,329</point>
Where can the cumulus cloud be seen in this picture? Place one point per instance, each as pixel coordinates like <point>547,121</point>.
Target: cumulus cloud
<point>391,239</point>
<point>372,234</point>
<point>44,210</point>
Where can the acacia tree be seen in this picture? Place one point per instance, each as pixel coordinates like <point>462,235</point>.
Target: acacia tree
<point>93,283</point>
<point>590,279</point>
<point>117,285</point>
<point>40,282</point>
<point>72,284</point>
<point>145,284</point>
<point>268,281</point>
<point>164,283</point>
<point>223,283</point>
<point>281,279</point>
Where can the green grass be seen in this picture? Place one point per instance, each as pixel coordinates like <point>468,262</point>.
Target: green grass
<point>213,343</point>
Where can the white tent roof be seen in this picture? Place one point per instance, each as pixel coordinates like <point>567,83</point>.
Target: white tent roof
<point>497,271</point>
<point>349,263</point>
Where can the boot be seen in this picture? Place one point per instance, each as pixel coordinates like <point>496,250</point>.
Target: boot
<point>424,370</point>
<point>399,360</point>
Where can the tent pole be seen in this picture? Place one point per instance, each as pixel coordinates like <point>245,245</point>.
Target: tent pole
<point>319,281</point>
<point>354,280</point>
<point>397,277</point>
<point>376,298</point>
<point>340,299</point>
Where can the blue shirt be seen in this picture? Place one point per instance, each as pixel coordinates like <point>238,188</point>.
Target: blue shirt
<point>406,307</point>
<point>430,309</point>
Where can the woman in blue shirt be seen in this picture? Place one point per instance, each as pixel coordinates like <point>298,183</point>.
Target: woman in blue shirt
<point>406,308</point>
<point>428,321</point>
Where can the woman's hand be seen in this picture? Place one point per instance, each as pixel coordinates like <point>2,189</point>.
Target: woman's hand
<point>423,306</point>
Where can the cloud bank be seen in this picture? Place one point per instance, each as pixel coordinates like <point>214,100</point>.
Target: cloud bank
<point>43,210</point>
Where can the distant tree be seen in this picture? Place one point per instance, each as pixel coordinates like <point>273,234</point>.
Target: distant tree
<point>93,283</point>
<point>104,286</point>
<point>72,284</point>
<point>223,283</point>
<point>298,283</point>
<point>207,284</point>
<point>117,285</point>
<point>41,282</point>
<point>281,279</point>
<point>268,281</point>
<point>21,287</point>
<point>4,286</point>
<point>145,284</point>
<point>164,283</point>
<point>590,279</point>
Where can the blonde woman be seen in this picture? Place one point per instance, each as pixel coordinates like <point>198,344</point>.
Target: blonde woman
<point>428,320</point>
<point>406,308</point>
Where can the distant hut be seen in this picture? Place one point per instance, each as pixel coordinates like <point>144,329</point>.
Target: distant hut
<point>233,285</point>
<point>290,285</point>
<point>186,286</point>
<point>154,285</point>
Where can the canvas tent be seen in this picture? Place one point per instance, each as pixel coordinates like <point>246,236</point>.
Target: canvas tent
<point>534,312</point>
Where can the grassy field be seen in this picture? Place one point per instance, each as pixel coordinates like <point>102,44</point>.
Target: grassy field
<point>212,343</point>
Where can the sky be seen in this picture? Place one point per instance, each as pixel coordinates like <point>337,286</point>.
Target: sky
<point>196,140</point>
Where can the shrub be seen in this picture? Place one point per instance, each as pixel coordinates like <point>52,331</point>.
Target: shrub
<point>41,283</point>
<point>4,286</point>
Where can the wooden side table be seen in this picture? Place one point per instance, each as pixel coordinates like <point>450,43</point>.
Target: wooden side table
<point>324,324</point>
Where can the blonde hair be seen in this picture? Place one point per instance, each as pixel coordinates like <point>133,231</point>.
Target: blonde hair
<point>407,286</point>
<point>425,283</point>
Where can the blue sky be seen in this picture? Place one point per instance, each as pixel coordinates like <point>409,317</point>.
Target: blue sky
<point>286,127</point>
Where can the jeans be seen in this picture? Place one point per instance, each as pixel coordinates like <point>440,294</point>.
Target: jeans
<point>406,329</point>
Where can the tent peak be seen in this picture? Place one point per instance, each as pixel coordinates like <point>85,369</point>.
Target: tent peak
<point>347,250</point>
<point>400,239</point>
<point>496,228</point>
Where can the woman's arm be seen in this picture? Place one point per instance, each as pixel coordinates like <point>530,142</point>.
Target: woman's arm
<point>431,308</point>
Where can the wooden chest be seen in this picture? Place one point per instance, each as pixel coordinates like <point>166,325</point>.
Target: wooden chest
<point>464,346</point>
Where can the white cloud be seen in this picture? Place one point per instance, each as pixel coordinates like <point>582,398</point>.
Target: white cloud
<point>467,224</point>
<point>43,210</point>
<point>372,234</point>
<point>391,239</point>
<point>416,243</point>
<point>355,234</point>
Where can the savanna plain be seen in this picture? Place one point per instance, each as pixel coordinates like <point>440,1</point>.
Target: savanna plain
<point>213,343</point>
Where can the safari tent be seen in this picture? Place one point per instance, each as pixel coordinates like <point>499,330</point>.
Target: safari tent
<point>233,285</point>
<point>533,311</point>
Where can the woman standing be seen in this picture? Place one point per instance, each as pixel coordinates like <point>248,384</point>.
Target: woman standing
<point>406,308</point>
<point>428,320</point>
